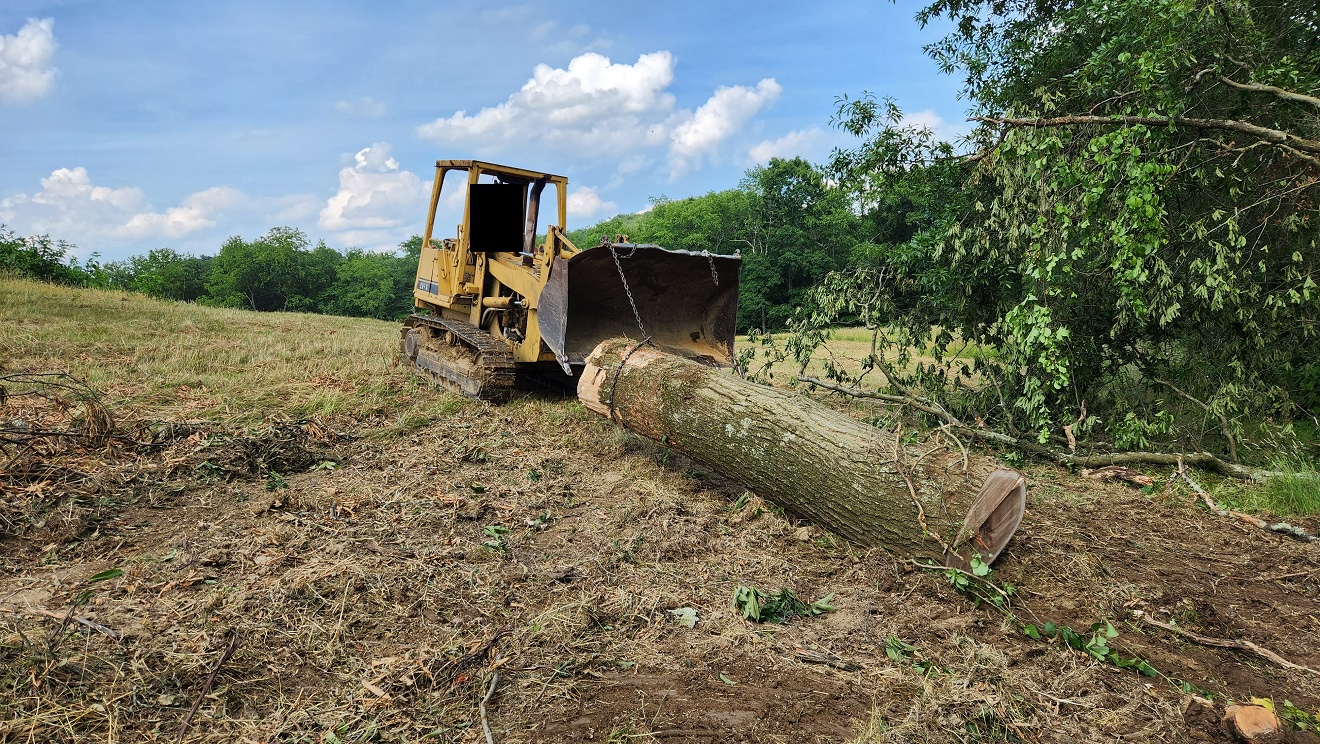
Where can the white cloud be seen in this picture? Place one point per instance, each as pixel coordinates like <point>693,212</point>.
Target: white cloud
<point>801,142</point>
<point>594,106</point>
<point>25,61</point>
<point>196,214</point>
<point>727,111</point>
<point>365,106</point>
<point>71,207</point>
<point>374,198</point>
<point>586,202</point>
<point>928,119</point>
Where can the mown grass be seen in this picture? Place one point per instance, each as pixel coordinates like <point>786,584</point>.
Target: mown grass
<point>169,360</point>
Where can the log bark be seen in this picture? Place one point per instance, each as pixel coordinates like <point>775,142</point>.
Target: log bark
<point>860,482</point>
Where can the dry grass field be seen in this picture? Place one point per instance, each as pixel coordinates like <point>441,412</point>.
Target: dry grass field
<point>229,527</point>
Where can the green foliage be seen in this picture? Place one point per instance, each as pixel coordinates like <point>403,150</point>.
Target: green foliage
<point>978,585</point>
<point>1135,234</point>
<point>777,607</point>
<point>278,271</point>
<point>165,274</point>
<point>898,649</point>
<point>272,272</point>
<point>1296,493</point>
<point>44,259</point>
<point>371,285</point>
<point>1293,492</point>
<point>786,220</point>
<point>495,537</point>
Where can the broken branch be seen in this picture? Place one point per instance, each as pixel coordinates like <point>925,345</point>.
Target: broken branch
<point>1264,653</point>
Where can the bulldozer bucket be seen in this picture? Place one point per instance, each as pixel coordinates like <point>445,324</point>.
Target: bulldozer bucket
<point>686,303</point>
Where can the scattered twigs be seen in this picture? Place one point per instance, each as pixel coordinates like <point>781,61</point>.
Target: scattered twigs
<point>912,490</point>
<point>451,669</point>
<point>1004,600</point>
<point>490,691</point>
<point>64,392</point>
<point>206,688</point>
<point>1280,527</point>
<point>1264,653</point>
<point>68,615</point>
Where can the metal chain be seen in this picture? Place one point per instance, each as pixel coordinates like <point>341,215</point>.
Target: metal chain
<point>711,260</point>
<point>628,290</point>
<point>619,371</point>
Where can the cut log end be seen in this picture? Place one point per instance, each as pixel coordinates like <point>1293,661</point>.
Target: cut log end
<point>994,516</point>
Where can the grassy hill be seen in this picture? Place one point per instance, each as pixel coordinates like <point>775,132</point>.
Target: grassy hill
<point>168,359</point>
<point>261,517</point>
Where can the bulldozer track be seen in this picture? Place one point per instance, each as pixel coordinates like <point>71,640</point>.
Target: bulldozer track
<point>488,375</point>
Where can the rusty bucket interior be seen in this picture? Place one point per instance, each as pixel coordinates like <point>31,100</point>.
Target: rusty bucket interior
<point>686,303</point>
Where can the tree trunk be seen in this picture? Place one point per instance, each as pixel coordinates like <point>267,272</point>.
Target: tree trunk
<point>860,482</point>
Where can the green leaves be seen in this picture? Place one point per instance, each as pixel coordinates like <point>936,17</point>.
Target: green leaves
<point>1095,644</point>
<point>106,575</point>
<point>1127,216</point>
<point>778,607</point>
<point>495,533</point>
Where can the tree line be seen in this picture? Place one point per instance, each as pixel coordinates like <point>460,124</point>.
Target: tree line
<point>788,222</point>
<point>279,271</point>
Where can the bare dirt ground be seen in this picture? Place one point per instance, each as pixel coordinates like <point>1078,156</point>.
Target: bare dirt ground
<point>375,600</point>
<point>375,573</point>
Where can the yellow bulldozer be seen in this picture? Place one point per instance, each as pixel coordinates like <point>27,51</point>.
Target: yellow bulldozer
<point>493,305</point>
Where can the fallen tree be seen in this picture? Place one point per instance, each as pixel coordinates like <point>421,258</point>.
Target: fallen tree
<point>865,484</point>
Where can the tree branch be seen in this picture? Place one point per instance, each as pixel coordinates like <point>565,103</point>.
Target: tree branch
<point>1203,460</point>
<point>1275,136</point>
<point>1224,428</point>
<point>1280,92</point>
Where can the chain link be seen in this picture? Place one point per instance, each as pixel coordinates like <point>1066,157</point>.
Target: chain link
<point>711,260</point>
<point>628,290</point>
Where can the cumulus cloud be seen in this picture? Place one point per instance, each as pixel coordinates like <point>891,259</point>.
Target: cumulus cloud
<point>25,61</point>
<point>196,213</point>
<point>597,108</point>
<point>365,106</point>
<point>374,195</point>
<point>72,207</point>
<point>586,202</point>
<point>593,106</point>
<point>727,111</point>
<point>928,119</point>
<point>801,142</point>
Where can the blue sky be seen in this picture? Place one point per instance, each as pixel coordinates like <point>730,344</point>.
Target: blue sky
<point>129,126</point>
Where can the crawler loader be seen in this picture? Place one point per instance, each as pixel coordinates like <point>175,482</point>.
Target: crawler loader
<point>493,305</point>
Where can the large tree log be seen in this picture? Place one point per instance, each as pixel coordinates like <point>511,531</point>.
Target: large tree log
<point>860,482</point>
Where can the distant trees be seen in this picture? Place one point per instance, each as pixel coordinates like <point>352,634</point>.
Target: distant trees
<point>790,224</point>
<point>41,258</point>
<point>165,274</point>
<point>280,270</point>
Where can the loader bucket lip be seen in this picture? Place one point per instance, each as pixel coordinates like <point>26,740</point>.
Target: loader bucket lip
<point>688,302</point>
